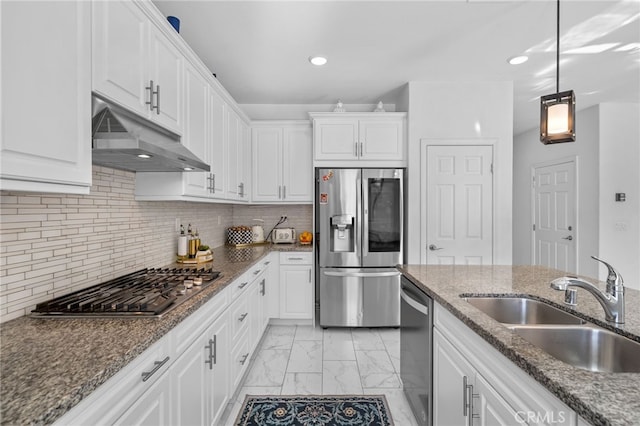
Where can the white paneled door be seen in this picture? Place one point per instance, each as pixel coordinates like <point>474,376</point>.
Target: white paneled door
<point>459,204</point>
<point>554,188</point>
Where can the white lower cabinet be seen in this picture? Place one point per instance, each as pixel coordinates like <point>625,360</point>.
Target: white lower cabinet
<point>153,408</point>
<point>258,309</point>
<point>462,395</point>
<point>473,384</point>
<point>296,285</point>
<point>450,373</point>
<point>188,376</point>
<point>200,378</point>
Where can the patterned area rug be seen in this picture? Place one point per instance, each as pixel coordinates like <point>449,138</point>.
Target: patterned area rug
<point>314,410</point>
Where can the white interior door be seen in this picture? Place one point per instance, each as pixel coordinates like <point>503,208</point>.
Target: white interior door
<point>554,230</point>
<point>459,205</point>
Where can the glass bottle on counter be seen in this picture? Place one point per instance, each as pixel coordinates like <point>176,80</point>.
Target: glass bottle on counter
<point>182,243</point>
<point>193,247</point>
<point>197,238</point>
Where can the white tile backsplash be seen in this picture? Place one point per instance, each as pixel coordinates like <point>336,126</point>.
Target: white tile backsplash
<point>52,244</point>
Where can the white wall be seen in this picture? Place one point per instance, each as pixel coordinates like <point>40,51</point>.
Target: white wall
<point>527,151</point>
<point>608,148</point>
<point>468,111</point>
<point>619,222</point>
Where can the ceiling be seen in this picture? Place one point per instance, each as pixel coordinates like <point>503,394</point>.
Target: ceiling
<point>259,50</point>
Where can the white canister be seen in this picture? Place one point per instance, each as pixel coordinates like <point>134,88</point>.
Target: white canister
<point>182,245</point>
<point>257,232</point>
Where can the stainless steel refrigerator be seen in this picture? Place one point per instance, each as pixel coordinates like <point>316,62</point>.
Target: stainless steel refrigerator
<point>359,236</point>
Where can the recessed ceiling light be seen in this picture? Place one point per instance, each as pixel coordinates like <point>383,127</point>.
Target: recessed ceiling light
<point>318,60</point>
<point>145,156</point>
<point>517,60</point>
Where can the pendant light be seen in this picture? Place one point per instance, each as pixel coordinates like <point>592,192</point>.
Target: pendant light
<point>557,111</point>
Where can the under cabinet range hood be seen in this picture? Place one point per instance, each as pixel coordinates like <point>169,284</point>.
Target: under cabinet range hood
<point>122,140</point>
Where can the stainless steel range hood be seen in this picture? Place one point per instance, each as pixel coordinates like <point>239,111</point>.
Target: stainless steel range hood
<point>122,140</point>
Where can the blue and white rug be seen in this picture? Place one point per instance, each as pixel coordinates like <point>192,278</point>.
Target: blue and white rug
<point>314,410</point>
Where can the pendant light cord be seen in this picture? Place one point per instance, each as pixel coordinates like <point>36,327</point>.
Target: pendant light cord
<point>558,47</point>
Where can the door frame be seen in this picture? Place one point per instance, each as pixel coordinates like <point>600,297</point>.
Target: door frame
<point>570,159</point>
<point>424,144</point>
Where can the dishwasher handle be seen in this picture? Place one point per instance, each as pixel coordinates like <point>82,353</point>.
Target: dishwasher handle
<point>362,274</point>
<point>414,303</point>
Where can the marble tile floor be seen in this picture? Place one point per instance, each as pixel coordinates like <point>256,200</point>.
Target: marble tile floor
<point>298,360</point>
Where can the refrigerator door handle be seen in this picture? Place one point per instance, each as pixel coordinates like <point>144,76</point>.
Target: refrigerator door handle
<point>362,274</point>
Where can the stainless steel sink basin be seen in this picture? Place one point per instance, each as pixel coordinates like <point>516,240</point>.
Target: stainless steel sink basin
<point>521,310</point>
<point>588,347</point>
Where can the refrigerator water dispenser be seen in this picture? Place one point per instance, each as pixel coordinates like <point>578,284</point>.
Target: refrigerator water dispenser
<point>341,235</point>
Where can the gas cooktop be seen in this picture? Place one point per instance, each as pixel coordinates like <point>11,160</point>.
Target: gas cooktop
<point>144,293</point>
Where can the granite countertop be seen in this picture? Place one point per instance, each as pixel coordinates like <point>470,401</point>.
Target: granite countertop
<point>47,366</point>
<point>600,398</point>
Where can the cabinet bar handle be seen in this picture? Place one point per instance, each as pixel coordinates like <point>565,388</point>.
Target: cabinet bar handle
<point>356,147</point>
<point>215,348</point>
<point>158,99</point>
<point>244,358</point>
<point>471,396</point>
<point>309,275</point>
<point>257,271</point>
<point>279,192</point>
<point>361,150</point>
<point>210,361</point>
<point>243,285</point>
<point>296,258</point>
<point>243,316</point>
<point>150,89</point>
<point>465,404</point>
<point>284,192</point>
<point>262,287</point>
<point>157,364</point>
<point>213,183</point>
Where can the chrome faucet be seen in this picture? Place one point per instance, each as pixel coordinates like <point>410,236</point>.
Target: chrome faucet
<point>612,300</point>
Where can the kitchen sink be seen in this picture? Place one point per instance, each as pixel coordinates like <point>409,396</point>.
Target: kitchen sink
<point>562,334</point>
<point>522,310</point>
<point>585,346</point>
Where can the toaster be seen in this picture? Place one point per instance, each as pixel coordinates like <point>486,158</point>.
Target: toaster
<point>284,236</point>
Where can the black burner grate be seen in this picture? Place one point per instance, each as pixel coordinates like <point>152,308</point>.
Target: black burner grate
<point>148,292</point>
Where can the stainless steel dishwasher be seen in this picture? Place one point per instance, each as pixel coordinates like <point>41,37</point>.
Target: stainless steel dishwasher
<point>416,345</point>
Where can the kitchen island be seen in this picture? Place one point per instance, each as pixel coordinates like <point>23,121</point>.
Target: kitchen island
<point>48,366</point>
<point>599,398</point>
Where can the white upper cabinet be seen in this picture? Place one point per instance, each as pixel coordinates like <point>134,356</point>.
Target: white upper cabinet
<point>218,145</point>
<point>359,136</point>
<point>167,64</point>
<point>282,164</point>
<point>297,167</point>
<point>184,97</point>
<point>120,53</point>
<point>45,130</point>
<point>238,156</point>
<point>197,129</point>
<point>135,64</point>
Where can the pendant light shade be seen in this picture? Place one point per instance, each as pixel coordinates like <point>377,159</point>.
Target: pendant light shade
<point>557,111</point>
<point>557,117</point>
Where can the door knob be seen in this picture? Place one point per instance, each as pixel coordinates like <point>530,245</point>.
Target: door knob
<point>568,238</point>
<point>433,247</point>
